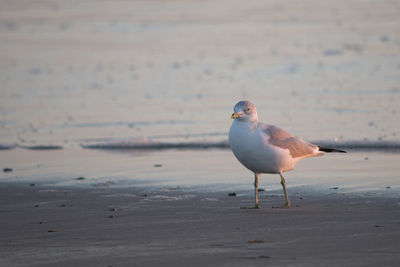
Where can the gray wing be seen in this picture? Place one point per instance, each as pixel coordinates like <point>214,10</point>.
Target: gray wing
<point>283,139</point>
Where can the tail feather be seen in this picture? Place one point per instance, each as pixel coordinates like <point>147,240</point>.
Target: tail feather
<point>327,149</point>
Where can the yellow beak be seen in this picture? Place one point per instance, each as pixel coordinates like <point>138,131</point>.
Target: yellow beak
<point>235,115</point>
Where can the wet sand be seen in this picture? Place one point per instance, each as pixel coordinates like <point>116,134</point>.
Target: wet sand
<point>105,226</point>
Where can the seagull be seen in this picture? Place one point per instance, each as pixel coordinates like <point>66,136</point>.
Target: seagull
<point>264,148</point>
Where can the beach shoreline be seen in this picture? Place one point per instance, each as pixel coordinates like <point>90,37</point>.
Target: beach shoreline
<point>107,226</point>
<point>114,118</point>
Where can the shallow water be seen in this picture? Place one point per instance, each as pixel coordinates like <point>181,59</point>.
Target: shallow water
<point>75,73</point>
<point>166,74</point>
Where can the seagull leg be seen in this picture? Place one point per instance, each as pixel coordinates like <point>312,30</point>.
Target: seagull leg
<point>283,183</point>
<point>256,190</point>
<point>257,206</point>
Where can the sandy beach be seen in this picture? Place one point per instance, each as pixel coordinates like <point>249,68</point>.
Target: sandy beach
<point>114,120</point>
<point>172,208</point>
<point>115,227</point>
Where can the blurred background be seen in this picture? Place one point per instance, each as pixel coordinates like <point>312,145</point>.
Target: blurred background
<point>78,72</point>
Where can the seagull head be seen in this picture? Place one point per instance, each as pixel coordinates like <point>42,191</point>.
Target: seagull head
<point>245,111</point>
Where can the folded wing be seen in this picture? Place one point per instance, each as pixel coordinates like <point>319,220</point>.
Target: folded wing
<point>297,148</point>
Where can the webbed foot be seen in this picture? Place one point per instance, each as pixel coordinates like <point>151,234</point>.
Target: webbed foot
<point>252,207</point>
<point>284,206</point>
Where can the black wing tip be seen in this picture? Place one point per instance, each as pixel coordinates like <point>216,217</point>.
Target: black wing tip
<point>328,150</point>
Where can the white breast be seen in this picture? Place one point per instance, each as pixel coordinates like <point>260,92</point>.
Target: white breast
<point>250,146</point>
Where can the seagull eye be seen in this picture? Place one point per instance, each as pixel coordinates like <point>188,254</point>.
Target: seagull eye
<point>248,109</point>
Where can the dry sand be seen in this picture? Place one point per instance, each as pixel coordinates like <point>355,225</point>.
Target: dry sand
<point>105,226</point>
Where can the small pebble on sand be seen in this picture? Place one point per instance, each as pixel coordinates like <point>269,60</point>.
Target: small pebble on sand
<point>264,257</point>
